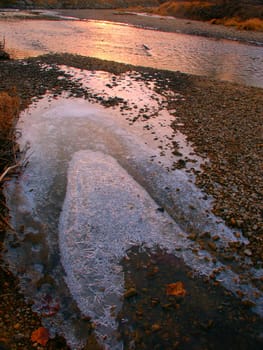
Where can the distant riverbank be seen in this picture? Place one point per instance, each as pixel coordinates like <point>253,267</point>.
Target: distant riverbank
<point>167,24</point>
<point>145,20</point>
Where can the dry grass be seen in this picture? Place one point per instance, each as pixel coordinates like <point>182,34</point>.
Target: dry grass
<point>184,9</point>
<point>232,13</point>
<point>248,24</point>
<point>9,107</point>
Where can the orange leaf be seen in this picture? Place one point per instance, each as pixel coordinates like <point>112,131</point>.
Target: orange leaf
<point>40,335</point>
<point>176,289</point>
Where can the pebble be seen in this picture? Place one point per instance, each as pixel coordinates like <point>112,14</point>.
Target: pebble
<point>216,238</point>
<point>130,293</point>
<point>17,326</point>
<point>248,252</point>
<point>192,236</point>
<point>212,245</point>
<point>156,327</point>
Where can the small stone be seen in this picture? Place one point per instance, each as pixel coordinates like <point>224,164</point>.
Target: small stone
<point>211,245</point>
<point>237,234</point>
<point>130,293</point>
<point>239,223</point>
<point>248,303</point>
<point>192,236</point>
<point>205,235</point>
<point>233,221</point>
<point>139,313</point>
<point>167,306</point>
<point>4,55</point>
<point>248,252</point>
<point>156,327</point>
<point>216,238</point>
<point>152,272</point>
<point>155,301</point>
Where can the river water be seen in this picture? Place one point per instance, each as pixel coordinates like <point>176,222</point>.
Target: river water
<point>219,59</point>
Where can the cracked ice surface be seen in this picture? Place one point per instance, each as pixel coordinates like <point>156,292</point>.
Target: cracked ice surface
<point>98,228</point>
<point>91,177</point>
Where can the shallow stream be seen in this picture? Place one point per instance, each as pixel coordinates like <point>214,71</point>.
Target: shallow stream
<point>218,59</point>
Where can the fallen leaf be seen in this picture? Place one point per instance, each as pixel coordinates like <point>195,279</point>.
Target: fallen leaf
<point>40,335</point>
<point>176,289</point>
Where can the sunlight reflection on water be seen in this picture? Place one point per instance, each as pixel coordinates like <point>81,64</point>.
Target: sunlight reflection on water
<point>219,59</point>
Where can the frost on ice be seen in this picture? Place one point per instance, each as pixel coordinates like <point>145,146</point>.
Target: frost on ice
<point>91,191</point>
<point>105,212</point>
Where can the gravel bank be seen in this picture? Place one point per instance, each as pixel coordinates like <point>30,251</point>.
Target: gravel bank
<point>223,120</point>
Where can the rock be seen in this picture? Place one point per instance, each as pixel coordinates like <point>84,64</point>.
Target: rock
<point>248,303</point>
<point>216,238</point>
<point>248,252</point>
<point>211,245</point>
<point>17,326</point>
<point>156,327</point>
<point>192,236</point>
<point>237,234</point>
<point>4,55</point>
<point>130,293</point>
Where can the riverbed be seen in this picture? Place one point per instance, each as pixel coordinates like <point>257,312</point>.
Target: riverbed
<point>144,138</point>
<point>124,128</point>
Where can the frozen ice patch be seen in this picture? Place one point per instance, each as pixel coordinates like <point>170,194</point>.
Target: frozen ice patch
<point>105,212</point>
<point>96,185</point>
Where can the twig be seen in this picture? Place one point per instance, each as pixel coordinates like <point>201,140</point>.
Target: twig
<point>7,223</point>
<point>22,163</point>
<point>2,203</point>
<point>8,169</point>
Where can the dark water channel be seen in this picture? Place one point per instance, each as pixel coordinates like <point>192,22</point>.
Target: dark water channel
<point>207,317</point>
<point>218,59</point>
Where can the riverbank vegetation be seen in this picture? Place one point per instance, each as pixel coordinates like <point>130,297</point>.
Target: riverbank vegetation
<point>243,14</point>
<point>247,15</point>
<point>9,108</point>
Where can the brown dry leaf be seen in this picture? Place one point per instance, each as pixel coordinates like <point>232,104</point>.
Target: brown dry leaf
<point>176,289</point>
<point>40,335</point>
